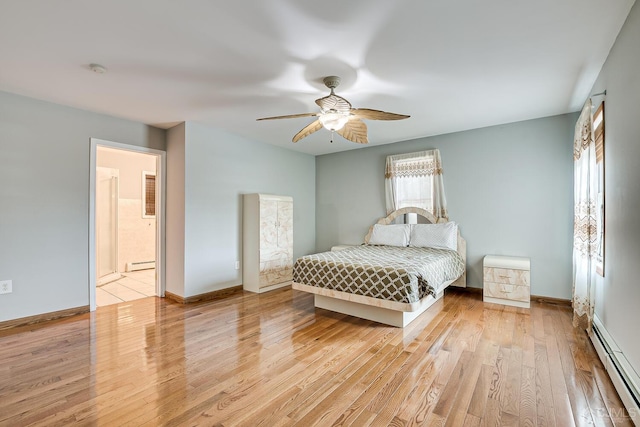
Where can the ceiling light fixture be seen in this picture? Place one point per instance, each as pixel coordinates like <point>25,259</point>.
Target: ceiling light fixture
<point>337,115</point>
<point>333,120</point>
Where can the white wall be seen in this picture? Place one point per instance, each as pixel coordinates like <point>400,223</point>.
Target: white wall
<point>218,169</point>
<point>44,195</point>
<point>510,188</point>
<point>618,294</point>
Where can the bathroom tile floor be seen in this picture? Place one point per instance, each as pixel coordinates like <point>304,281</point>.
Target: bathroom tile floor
<point>131,286</point>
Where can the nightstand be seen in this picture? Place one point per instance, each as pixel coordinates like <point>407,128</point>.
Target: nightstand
<point>507,280</point>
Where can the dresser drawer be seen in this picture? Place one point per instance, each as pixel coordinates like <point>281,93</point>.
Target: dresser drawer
<point>507,276</point>
<point>507,291</point>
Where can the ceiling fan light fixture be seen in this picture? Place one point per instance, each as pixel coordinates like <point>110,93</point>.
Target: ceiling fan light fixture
<point>337,115</point>
<point>333,121</point>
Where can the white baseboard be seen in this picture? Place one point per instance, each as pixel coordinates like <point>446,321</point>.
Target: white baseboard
<point>624,378</point>
<point>143,265</point>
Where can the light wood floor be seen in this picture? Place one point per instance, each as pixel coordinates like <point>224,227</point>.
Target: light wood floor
<point>272,360</point>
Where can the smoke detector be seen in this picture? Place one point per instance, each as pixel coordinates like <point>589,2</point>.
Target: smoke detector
<point>97,68</point>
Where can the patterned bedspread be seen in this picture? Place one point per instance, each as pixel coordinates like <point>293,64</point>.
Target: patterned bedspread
<point>386,272</point>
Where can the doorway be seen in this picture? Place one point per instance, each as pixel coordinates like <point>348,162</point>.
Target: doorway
<point>126,249</point>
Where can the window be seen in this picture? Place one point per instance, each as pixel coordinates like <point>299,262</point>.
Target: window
<point>148,194</point>
<point>598,136</point>
<point>415,180</point>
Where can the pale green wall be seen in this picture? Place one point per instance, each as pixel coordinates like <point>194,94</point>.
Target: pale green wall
<point>509,187</point>
<point>44,170</point>
<point>618,294</point>
<point>44,200</point>
<point>218,169</point>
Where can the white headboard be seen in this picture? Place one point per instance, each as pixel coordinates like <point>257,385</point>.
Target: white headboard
<point>462,243</point>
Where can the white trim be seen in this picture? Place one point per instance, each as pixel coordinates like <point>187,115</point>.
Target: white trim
<point>624,378</point>
<point>161,185</point>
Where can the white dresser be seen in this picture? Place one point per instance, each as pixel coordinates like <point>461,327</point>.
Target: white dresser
<point>267,242</point>
<point>507,280</point>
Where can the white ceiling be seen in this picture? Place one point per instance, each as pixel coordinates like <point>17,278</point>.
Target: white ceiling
<point>451,65</point>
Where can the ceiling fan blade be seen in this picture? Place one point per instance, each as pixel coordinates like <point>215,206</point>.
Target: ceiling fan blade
<point>355,130</point>
<point>334,102</point>
<point>307,130</point>
<point>290,116</point>
<point>367,113</point>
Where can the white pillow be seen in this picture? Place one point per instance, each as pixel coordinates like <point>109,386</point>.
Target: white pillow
<point>443,236</point>
<point>390,235</point>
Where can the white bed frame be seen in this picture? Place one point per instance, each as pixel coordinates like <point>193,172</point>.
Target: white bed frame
<point>388,312</point>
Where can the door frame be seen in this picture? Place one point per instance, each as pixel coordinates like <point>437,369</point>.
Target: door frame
<point>161,185</point>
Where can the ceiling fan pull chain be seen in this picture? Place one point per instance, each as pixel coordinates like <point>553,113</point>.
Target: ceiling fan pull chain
<point>331,137</point>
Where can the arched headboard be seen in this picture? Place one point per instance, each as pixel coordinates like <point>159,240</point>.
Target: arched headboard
<point>389,219</point>
<point>462,243</point>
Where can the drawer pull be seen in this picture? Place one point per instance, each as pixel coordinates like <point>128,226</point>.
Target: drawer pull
<point>505,277</point>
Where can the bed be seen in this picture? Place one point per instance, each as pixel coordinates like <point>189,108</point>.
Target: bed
<point>394,276</point>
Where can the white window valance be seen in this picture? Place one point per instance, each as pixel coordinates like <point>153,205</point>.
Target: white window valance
<point>415,180</point>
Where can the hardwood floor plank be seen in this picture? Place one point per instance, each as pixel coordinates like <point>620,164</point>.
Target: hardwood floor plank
<point>481,392</point>
<point>453,384</point>
<point>511,397</point>
<point>421,360</point>
<point>273,359</point>
<point>349,399</point>
<point>499,376</point>
<point>579,404</point>
<point>544,391</point>
<point>421,399</point>
<point>492,416</point>
<point>323,373</point>
<point>596,404</point>
<point>470,379</point>
<point>528,407</point>
<point>561,403</point>
<point>471,421</point>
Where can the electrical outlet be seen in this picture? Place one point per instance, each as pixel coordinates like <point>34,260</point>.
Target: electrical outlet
<point>237,265</point>
<point>6,286</point>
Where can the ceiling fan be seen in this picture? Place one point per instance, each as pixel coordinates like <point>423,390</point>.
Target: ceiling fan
<point>337,115</point>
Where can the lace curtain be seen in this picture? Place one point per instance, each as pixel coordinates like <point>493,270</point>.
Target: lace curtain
<point>585,235</point>
<point>415,180</point>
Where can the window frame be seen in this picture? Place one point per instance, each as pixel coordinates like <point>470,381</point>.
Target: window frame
<point>598,121</point>
<point>145,194</point>
<point>414,184</point>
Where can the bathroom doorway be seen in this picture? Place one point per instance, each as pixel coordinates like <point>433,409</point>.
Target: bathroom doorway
<point>126,222</point>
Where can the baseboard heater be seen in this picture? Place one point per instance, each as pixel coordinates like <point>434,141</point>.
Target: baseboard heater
<point>142,265</point>
<point>623,376</point>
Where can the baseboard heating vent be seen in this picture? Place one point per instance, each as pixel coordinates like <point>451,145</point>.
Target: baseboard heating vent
<point>142,265</point>
<point>624,378</point>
